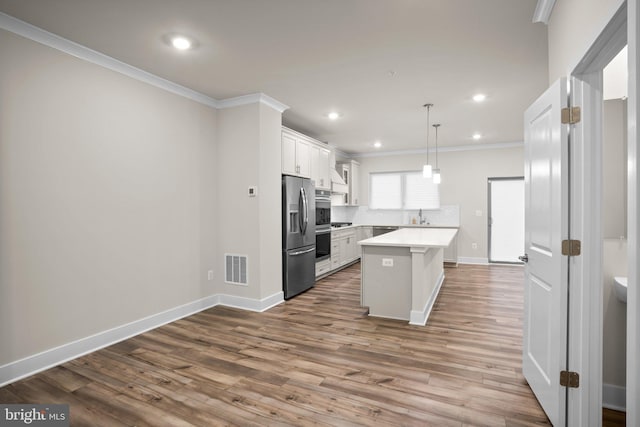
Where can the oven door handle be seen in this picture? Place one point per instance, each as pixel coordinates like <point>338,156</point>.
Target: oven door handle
<point>323,231</point>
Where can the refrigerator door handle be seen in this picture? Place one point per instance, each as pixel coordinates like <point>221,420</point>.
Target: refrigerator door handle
<point>306,251</point>
<point>305,210</point>
<point>301,211</point>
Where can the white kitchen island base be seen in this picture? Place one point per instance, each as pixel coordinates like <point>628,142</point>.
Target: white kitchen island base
<point>402,273</point>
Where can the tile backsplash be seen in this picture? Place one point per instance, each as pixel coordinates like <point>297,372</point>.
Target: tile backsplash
<point>447,215</point>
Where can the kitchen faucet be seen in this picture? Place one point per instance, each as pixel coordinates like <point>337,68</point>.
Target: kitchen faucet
<point>422,220</point>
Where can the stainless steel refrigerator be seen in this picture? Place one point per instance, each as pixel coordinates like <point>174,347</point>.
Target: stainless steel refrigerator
<point>298,235</point>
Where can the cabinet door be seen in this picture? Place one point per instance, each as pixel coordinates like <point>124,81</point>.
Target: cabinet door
<point>344,250</point>
<point>354,191</point>
<point>315,158</point>
<point>352,248</point>
<point>335,253</point>
<point>289,165</point>
<point>323,169</point>
<point>303,158</point>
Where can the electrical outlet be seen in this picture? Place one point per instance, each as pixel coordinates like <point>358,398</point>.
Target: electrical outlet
<point>478,212</point>
<point>210,275</point>
<point>387,262</point>
<point>474,246</point>
<point>252,191</point>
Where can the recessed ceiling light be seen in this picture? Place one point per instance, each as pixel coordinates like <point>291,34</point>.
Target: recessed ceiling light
<point>479,97</point>
<point>333,115</point>
<point>179,41</point>
<point>477,136</point>
<point>377,144</point>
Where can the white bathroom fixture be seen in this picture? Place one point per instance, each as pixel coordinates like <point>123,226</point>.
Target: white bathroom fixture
<point>620,286</point>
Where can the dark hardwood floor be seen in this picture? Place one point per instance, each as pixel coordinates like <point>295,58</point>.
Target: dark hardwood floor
<point>317,359</point>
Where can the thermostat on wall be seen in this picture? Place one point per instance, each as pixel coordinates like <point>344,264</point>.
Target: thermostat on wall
<point>253,191</point>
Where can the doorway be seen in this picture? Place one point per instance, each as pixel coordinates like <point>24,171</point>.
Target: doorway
<point>506,219</point>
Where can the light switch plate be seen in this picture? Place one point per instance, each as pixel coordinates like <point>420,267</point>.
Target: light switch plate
<point>387,262</point>
<point>478,213</point>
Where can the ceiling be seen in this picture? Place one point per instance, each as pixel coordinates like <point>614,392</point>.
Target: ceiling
<point>376,62</point>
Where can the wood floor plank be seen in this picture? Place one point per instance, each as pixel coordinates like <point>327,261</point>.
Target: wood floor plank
<point>316,359</point>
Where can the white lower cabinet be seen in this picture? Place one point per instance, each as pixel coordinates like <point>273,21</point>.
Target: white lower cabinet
<point>335,252</point>
<point>344,247</point>
<point>323,267</point>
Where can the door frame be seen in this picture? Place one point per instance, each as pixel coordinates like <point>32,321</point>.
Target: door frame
<point>489,216</point>
<point>584,404</point>
<point>633,221</point>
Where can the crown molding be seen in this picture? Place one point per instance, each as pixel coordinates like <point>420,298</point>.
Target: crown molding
<point>31,32</point>
<point>339,152</point>
<point>253,99</point>
<point>543,11</point>
<point>474,147</point>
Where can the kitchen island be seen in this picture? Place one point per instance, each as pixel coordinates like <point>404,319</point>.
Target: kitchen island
<point>402,272</point>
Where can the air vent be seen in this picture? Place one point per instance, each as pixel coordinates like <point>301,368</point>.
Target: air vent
<point>235,269</point>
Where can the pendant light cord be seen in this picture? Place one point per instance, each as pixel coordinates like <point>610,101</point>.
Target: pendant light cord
<point>436,126</point>
<point>428,106</point>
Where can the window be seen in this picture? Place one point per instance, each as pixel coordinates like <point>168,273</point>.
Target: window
<point>402,190</point>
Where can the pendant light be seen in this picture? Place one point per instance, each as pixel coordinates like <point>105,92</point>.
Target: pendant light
<point>427,170</point>
<point>436,171</point>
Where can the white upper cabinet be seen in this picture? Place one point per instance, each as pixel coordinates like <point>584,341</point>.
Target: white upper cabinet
<point>296,155</point>
<point>354,186</point>
<point>351,174</point>
<point>289,163</point>
<point>320,167</point>
<point>305,157</point>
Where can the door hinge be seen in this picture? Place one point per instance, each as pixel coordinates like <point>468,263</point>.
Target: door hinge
<point>569,379</point>
<point>571,247</point>
<point>570,115</point>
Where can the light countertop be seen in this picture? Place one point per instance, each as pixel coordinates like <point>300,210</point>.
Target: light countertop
<point>346,227</point>
<point>414,237</point>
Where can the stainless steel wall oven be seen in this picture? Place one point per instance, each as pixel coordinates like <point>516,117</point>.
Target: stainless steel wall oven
<point>323,225</point>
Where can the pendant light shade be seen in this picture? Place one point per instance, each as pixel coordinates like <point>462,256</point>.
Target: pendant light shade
<point>427,170</point>
<point>437,178</point>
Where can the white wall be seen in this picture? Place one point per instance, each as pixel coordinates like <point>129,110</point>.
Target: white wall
<point>108,207</point>
<point>270,209</point>
<point>464,183</point>
<point>614,169</point>
<point>249,139</point>
<point>573,27</point>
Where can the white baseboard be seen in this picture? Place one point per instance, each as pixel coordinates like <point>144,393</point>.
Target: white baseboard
<point>420,317</point>
<point>472,260</point>
<point>614,397</point>
<point>252,304</point>
<point>30,365</point>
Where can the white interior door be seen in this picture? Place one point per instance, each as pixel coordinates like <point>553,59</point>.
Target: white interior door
<point>506,219</point>
<point>546,275</point>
